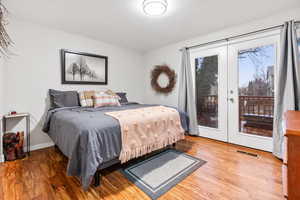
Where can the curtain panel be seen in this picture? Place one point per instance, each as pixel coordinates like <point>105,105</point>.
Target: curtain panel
<point>287,96</point>
<point>186,96</point>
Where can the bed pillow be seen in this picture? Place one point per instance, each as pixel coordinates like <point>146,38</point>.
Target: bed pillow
<point>123,97</point>
<point>86,98</point>
<point>103,99</point>
<point>60,99</point>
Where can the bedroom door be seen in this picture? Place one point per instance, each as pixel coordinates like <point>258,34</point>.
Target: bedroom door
<point>252,63</point>
<point>210,82</point>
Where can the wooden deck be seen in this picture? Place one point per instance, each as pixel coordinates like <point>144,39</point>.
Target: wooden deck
<point>227,175</point>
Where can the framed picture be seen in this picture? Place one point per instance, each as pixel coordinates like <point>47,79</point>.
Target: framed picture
<point>83,68</point>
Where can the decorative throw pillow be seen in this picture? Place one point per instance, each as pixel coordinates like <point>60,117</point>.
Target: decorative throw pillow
<point>60,99</point>
<point>123,97</point>
<point>110,92</point>
<point>102,99</point>
<point>86,98</point>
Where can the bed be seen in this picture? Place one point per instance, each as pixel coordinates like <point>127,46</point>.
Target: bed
<point>89,138</point>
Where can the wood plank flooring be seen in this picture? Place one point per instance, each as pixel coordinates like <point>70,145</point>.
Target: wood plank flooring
<point>227,175</point>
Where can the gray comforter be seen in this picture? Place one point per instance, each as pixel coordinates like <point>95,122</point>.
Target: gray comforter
<point>88,137</point>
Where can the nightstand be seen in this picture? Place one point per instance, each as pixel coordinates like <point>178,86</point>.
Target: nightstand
<point>16,116</point>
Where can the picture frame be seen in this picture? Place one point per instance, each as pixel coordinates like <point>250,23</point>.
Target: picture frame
<point>83,68</point>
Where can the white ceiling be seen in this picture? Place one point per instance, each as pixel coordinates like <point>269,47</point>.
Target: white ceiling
<point>123,23</point>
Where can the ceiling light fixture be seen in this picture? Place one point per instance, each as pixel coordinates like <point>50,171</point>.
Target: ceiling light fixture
<point>155,7</point>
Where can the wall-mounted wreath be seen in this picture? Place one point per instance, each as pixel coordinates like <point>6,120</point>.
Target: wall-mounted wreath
<point>159,70</point>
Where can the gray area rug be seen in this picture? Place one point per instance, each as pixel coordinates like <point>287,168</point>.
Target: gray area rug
<point>159,173</point>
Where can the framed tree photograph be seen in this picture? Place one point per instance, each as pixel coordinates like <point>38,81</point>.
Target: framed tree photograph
<point>83,68</point>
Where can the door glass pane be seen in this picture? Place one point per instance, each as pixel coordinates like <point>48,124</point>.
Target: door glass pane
<point>207,90</point>
<point>256,90</point>
<point>299,45</point>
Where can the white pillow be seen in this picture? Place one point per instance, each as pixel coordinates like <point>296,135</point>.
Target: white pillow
<point>86,98</point>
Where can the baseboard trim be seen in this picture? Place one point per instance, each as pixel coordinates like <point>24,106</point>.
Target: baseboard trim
<point>41,146</point>
<point>32,148</point>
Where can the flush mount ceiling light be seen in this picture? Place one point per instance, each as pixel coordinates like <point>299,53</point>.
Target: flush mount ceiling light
<point>155,7</point>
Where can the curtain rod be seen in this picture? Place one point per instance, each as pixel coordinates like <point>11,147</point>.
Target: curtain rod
<point>237,36</point>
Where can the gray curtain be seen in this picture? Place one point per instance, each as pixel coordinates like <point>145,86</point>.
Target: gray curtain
<point>288,84</point>
<point>186,96</point>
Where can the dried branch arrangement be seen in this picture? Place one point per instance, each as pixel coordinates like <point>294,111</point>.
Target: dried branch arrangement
<point>5,40</point>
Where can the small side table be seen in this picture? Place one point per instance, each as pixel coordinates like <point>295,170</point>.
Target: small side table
<point>20,115</point>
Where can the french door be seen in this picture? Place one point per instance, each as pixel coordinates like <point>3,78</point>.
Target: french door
<point>210,82</point>
<point>252,75</point>
<point>235,87</point>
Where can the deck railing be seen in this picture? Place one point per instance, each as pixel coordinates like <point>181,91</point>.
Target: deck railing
<point>256,105</point>
<point>255,113</point>
<point>207,104</point>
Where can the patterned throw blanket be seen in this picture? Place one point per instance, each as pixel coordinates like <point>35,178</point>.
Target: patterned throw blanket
<point>147,129</point>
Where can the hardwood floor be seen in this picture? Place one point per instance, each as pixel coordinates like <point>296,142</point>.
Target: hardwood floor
<point>226,175</point>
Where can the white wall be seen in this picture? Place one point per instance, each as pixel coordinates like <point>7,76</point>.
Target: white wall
<point>1,86</point>
<point>171,55</point>
<point>36,67</point>
<point>26,77</point>
<point>1,104</point>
